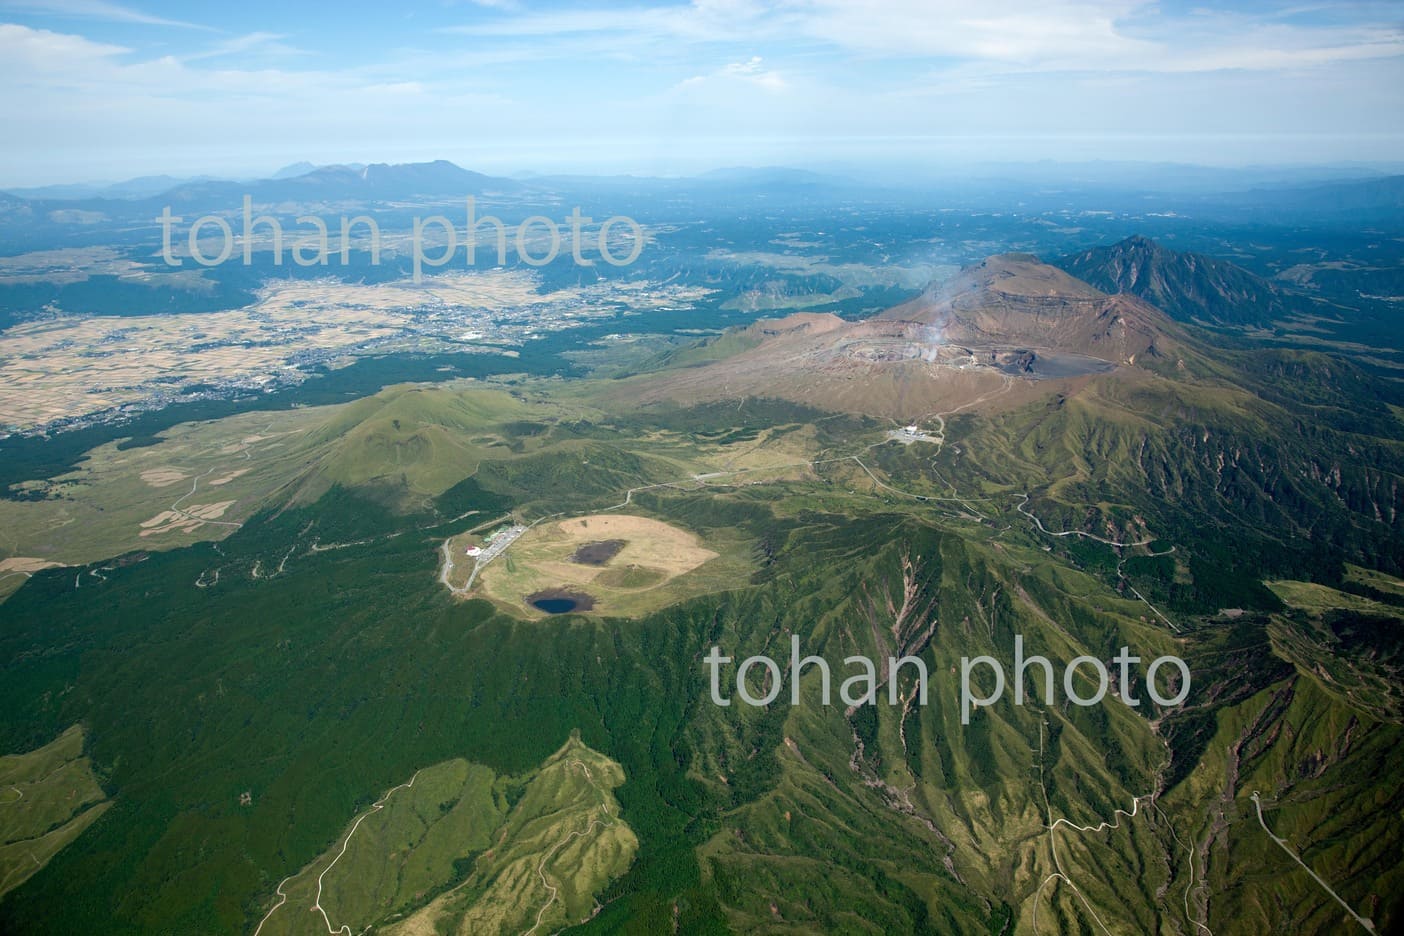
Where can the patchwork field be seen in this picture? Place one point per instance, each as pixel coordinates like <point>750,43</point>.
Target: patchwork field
<point>73,366</point>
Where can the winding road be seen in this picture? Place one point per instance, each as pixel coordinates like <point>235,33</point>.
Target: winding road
<point>580,833</point>
<point>1282,844</point>
<point>377,806</point>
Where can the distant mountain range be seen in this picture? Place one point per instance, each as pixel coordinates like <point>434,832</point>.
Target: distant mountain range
<point>298,182</point>
<point>1363,201</point>
<point>375,181</point>
<point>140,187</point>
<point>1292,197</point>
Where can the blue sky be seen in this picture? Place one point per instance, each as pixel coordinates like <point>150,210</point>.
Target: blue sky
<point>106,90</point>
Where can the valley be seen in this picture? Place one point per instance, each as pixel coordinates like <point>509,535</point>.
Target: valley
<point>701,468</point>
<point>489,567</point>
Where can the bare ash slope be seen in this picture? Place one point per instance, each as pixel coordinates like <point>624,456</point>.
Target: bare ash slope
<point>1002,332</point>
<point>1017,298</point>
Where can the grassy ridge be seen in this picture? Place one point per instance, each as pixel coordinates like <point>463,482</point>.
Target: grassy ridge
<point>47,798</point>
<point>457,849</point>
<point>562,841</point>
<point>336,673</point>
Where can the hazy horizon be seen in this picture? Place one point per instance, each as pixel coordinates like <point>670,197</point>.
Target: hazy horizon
<point>886,174</point>
<point>105,90</point>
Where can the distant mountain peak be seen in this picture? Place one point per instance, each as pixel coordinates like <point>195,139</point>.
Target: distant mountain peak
<point>1187,286</point>
<point>294,170</point>
<point>389,181</point>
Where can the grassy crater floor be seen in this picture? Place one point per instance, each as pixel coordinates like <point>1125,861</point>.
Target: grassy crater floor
<point>657,565</point>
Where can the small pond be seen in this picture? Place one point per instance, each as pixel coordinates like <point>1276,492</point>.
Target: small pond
<point>560,601</point>
<point>597,554</point>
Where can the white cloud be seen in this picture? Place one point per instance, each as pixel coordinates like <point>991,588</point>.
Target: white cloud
<point>1042,32</point>
<point>37,51</point>
<point>81,103</point>
<point>645,78</point>
<point>249,44</point>
<point>96,10</point>
<point>750,73</point>
<point>1048,35</point>
<point>701,21</point>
